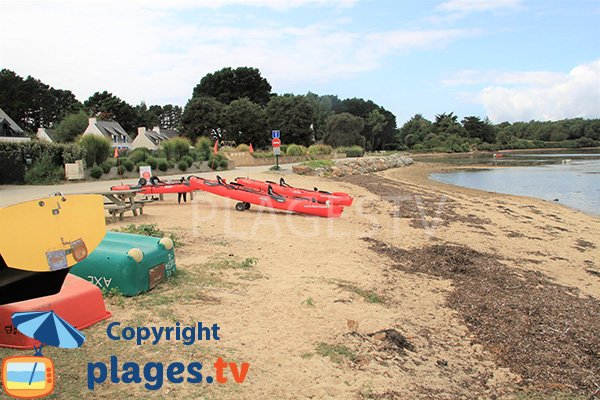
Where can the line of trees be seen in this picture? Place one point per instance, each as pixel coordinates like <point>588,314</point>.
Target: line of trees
<point>239,104</point>
<point>33,104</point>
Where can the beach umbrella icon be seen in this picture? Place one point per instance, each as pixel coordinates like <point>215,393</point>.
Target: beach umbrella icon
<point>48,328</point>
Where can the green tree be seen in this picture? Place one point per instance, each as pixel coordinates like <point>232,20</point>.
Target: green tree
<point>170,117</point>
<point>447,124</point>
<point>386,133</point>
<point>32,103</point>
<point>414,131</point>
<point>344,130</point>
<point>324,106</point>
<point>177,148</point>
<point>293,116</point>
<point>376,123</point>
<point>107,106</point>
<point>230,84</point>
<point>147,117</point>
<point>97,149</point>
<point>71,126</point>
<point>478,129</point>
<point>201,116</point>
<point>245,122</point>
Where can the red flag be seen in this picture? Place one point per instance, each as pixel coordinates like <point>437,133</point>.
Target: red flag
<point>116,154</point>
<point>251,149</point>
<point>215,149</point>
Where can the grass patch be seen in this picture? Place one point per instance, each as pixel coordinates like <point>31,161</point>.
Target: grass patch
<point>314,164</point>
<point>336,353</point>
<point>114,296</point>
<point>149,230</point>
<point>224,263</point>
<point>310,302</point>
<point>306,356</point>
<point>368,295</point>
<point>250,276</point>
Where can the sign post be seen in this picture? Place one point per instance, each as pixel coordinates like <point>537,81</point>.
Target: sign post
<point>276,143</point>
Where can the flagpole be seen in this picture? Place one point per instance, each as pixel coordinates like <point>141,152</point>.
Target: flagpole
<point>215,151</point>
<point>251,150</point>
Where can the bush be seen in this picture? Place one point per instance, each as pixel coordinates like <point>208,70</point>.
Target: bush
<point>44,171</point>
<point>296,150</point>
<point>227,149</point>
<point>175,149</point>
<point>217,160</point>
<point>129,165</point>
<point>163,164</point>
<point>96,172</point>
<point>97,149</point>
<point>284,148</point>
<point>139,154</point>
<point>120,170</point>
<point>264,154</point>
<point>59,153</point>
<point>106,166</point>
<point>188,160</point>
<point>152,162</point>
<point>242,147</point>
<point>352,151</point>
<point>319,149</point>
<point>182,165</point>
<point>204,148</point>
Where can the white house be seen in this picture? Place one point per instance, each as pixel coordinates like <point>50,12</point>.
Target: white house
<point>152,139</point>
<point>10,131</point>
<point>46,135</point>
<point>113,131</point>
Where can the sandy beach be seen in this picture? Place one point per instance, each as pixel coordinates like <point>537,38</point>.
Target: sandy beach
<point>419,290</point>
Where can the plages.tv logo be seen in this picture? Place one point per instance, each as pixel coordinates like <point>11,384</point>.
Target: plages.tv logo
<point>30,377</point>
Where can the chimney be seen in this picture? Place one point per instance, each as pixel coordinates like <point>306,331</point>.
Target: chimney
<point>141,130</point>
<point>40,130</point>
<point>92,121</point>
<point>156,129</point>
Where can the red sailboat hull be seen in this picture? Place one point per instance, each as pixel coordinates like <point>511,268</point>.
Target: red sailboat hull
<point>252,196</point>
<point>338,198</point>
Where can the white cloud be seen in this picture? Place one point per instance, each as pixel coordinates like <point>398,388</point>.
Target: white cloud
<point>142,51</point>
<point>522,96</point>
<point>469,6</point>
<point>474,77</point>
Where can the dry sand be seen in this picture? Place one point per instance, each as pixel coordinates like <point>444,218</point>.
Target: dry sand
<point>306,316</point>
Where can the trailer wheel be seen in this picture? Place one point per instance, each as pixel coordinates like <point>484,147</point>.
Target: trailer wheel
<point>247,206</point>
<point>240,206</point>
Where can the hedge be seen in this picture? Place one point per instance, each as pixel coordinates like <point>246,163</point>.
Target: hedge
<point>59,153</point>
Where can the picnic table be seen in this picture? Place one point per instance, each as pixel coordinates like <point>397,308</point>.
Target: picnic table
<point>117,202</point>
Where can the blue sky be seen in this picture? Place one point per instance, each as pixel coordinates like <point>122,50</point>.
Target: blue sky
<point>504,59</point>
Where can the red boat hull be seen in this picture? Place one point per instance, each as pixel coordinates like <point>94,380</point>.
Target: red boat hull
<point>339,198</point>
<point>157,189</point>
<point>248,195</point>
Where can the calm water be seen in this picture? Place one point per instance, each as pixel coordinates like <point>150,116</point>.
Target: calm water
<point>575,184</point>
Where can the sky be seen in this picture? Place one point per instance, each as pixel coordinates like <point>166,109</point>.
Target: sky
<point>508,60</point>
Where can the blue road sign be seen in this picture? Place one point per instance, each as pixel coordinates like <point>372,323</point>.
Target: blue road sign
<point>275,134</point>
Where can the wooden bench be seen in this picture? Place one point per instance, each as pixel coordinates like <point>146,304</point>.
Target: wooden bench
<point>114,209</point>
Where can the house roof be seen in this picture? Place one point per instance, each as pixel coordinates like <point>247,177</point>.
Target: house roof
<point>13,125</point>
<point>109,128</point>
<point>156,137</point>
<point>51,134</point>
<point>170,133</point>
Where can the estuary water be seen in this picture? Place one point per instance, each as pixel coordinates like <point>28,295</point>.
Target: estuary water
<point>572,179</point>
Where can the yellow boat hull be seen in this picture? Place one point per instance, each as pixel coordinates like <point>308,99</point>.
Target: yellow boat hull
<point>52,233</point>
